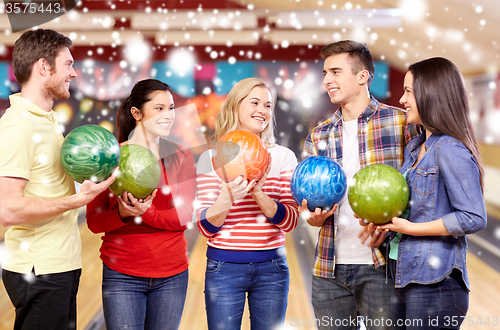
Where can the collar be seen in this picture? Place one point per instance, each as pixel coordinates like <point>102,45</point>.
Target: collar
<point>431,140</point>
<point>371,109</point>
<point>16,99</point>
<point>369,112</point>
<point>419,140</point>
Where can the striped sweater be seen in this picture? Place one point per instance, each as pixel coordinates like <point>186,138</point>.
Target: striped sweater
<point>247,235</point>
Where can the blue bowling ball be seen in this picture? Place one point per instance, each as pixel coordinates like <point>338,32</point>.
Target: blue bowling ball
<point>320,180</point>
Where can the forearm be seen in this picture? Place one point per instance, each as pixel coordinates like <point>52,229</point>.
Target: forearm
<point>104,221</point>
<point>266,204</point>
<point>102,214</point>
<point>175,219</point>
<point>17,211</point>
<point>16,208</point>
<point>432,228</point>
<point>217,213</point>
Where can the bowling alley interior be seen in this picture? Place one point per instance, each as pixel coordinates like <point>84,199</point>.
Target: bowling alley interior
<point>201,48</point>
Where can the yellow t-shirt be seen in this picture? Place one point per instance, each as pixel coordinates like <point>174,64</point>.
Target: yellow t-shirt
<point>29,148</point>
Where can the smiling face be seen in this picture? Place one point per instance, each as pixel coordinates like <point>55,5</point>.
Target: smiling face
<point>57,85</point>
<point>341,84</point>
<point>408,100</point>
<point>255,111</point>
<point>158,114</point>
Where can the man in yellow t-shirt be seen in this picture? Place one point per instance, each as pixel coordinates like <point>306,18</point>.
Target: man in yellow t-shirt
<point>42,267</point>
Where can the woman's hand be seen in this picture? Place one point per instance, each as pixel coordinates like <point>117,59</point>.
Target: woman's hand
<point>257,185</point>
<point>376,233</point>
<point>399,225</point>
<point>236,189</point>
<point>129,206</point>
<point>403,226</point>
<point>230,193</point>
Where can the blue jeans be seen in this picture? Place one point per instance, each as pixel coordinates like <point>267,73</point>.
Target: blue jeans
<point>357,292</point>
<point>132,302</point>
<point>441,305</point>
<point>226,287</point>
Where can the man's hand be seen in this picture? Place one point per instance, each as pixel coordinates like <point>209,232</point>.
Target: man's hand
<point>89,190</point>
<point>372,232</point>
<point>318,217</point>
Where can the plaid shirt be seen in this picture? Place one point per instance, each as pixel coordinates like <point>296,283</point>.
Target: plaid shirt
<point>383,134</point>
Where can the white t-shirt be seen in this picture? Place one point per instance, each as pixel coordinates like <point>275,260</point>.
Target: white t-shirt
<point>348,248</point>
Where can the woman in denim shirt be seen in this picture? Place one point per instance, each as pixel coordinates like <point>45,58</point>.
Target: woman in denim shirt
<point>443,170</point>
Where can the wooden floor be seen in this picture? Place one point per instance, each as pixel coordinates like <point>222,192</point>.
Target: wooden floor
<point>484,301</point>
<point>194,316</point>
<point>484,297</point>
<point>89,293</point>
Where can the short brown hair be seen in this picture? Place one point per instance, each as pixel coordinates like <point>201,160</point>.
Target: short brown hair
<point>358,53</point>
<point>34,45</point>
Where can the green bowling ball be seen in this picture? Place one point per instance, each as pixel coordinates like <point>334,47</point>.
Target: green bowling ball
<point>89,152</point>
<point>377,193</point>
<point>140,172</point>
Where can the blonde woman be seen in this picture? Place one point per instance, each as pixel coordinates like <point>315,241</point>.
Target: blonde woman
<point>246,237</point>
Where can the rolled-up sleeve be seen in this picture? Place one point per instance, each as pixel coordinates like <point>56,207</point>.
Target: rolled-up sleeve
<point>461,179</point>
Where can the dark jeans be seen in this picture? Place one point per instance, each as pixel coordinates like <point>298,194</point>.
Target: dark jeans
<point>43,302</point>
<point>227,285</point>
<point>358,292</point>
<point>138,303</point>
<point>440,305</point>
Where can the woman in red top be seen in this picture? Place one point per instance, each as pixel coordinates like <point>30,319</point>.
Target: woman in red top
<point>144,251</point>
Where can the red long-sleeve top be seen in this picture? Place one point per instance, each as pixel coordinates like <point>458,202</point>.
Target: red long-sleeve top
<point>154,245</point>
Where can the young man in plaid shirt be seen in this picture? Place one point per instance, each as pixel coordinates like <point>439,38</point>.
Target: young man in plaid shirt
<point>349,278</point>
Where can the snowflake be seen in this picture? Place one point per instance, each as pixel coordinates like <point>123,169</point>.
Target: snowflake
<point>434,262</point>
<point>30,277</point>
<point>37,138</point>
<point>261,218</point>
<point>25,245</point>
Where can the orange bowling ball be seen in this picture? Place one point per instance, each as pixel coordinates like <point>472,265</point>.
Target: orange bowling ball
<point>240,153</point>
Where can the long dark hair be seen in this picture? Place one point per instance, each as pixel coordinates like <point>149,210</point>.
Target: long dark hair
<point>126,123</point>
<point>443,104</point>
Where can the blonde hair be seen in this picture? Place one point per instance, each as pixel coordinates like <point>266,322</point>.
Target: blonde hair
<point>228,118</point>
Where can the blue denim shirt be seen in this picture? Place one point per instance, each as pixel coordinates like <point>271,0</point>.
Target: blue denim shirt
<point>444,184</point>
